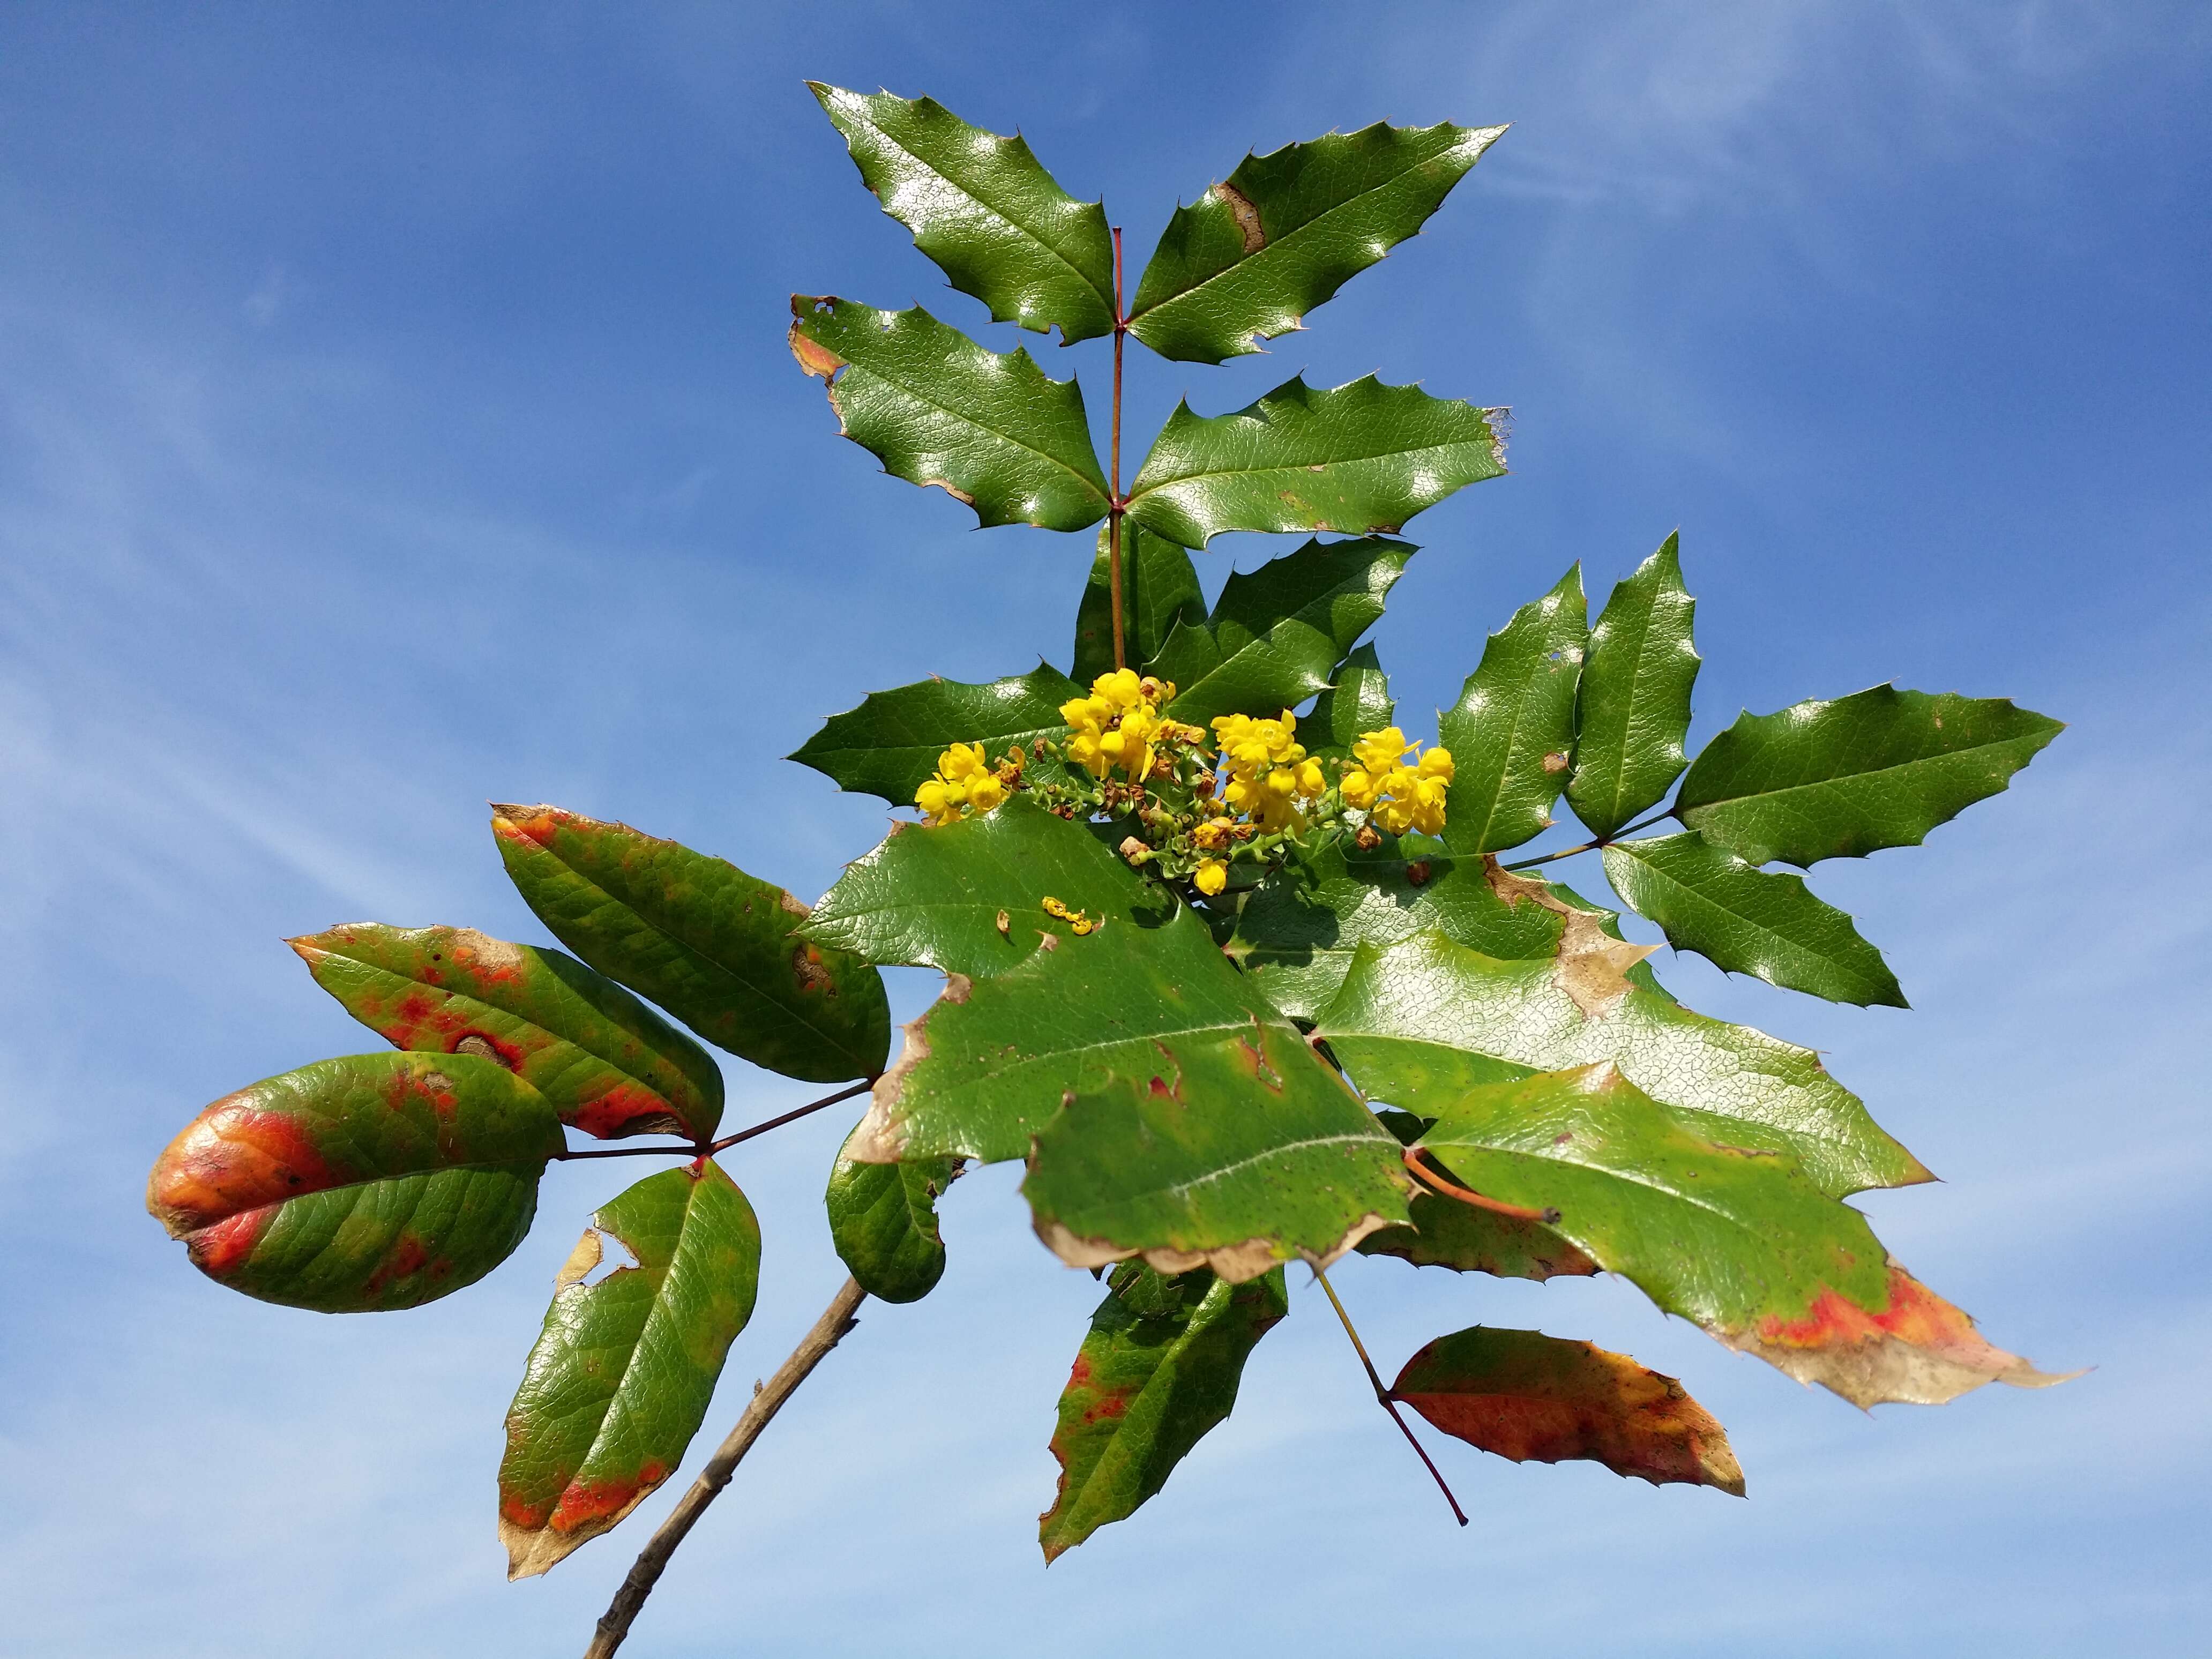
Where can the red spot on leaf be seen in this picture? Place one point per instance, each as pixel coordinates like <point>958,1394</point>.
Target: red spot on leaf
<point>588,1501</point>
<point>1915,1315</point>
<point>405,1259</point>
<point>1080,1373</point>
<point>235,1158</point>
<point>1111,1405</point>
<point>625,1109</point>
<point>217,1249</point>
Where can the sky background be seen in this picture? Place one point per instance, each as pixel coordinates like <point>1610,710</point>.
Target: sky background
<point>395,415</point>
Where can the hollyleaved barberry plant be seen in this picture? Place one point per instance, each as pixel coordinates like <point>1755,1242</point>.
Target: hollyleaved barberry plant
<point>1240,987</point>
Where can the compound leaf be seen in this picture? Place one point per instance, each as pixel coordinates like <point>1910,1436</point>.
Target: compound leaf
<point>1749,921</point>
<point>609,1065</point>
<point>1355,459</point>
<point>1159,1368</point>
<point>1159,590</point>
<point>891,743</point>
<point>992,430</point>
<point>984,208</point>
<point>716,947</point>
<point>1535,1398</point>
<point>1632,706</point>
<point>1252,256</point>
<point>1358,701</point>
<point>622,1374</point>
<point>1512,731</point>
<point>1842,779</point>
<point>361,1184</point>
<point>883,1221</point>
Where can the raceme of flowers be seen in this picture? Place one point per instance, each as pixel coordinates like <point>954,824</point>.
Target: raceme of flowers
<point>965,778</point>
<point>1399,788</point>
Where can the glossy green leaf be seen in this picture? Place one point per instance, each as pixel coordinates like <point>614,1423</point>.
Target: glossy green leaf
<point>932,896</point>
<point>1354,459</point>
<point>1741,1241</point>
<point>883,1221</point>
<point>1749,921</point>
<point>1159,1368</point>
<point>1534,1397</point>
<point>1159,589</point>
<point>891,743</point>
<point>1419,1021</point>
<point>716,947</point>
<point>1842,779</point>
<point>992,430</point>
<point>1275,634</point>
<point>1253,255</point>
<point>1358,701</point>
<point>1632,707</point>
<point>1444,1232</point>
<point>622,1373</point>
<point>1512,731</point>
<point>609,1065</point>
<point>984,208</point>
<point>358,1185</point>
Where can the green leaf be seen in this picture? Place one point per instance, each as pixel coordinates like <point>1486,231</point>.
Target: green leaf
<point>1159,590</point>
<point>1632,709</point>
<point>1418,1022</point>
<point>891,743</point>
<point>715,946</point>
<point>1739,1240</point>
<point>357,1185</point>
<point>622,1373</point>
<point>1159,1368</point>
<point>1351,459</point>
<point>1512,731</point>
<point>931,896</point>
<point>609,1065</point>
<point>1534,1397</point>
<point>883,1221</point>
<point>1253,255</point>
<point>1298,932</point>
<point>992,431</point>
<point>1878,768</point>
<point>1443,1232</point>
<point>1358,701</point>
<point>1749,921</point>
<point>984,208</point>
<point>1275,634</point>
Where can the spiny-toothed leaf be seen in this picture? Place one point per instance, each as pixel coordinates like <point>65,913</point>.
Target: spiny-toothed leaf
<point>1878,768</point>
<point>1536,1399</point>
<point>1749,921</point>
<point>609,1065</point>
<point>1158,1368</point>
<point>1417,1020</point>
<point>359,1185</point>
<point>1159,589</point>
<point>1232,1151</point>
<point>984,208</point>
<point>621,1375</point>
<point>1296,933</point>
<point>716,947</point>
<point>1512,731</point>
<point>1275,634</point>
<point>1355,459</point>
<point>1632,707</point>
<point>1739,1240</point>
<point>883,1221</point>
<point>992,430</point>
<point>1357,701</point>
<point>932,895</point>
<point>1253,255</point>
<point>890,744</point>
<point>1443,1232</point>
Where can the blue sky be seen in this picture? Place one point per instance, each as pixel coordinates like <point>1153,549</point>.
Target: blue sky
<point>394,415</point>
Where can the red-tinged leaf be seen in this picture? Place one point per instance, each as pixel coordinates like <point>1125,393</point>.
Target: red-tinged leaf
<point>609,1065</point>
<point>355,1185</point>
<point>1535,1398</point>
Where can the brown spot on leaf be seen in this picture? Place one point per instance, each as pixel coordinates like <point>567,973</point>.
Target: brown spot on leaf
<point>1247,216</point>
<point>1592,965</point>
<point>1555,762</point>
<point>880,1136</point>
<point>810,971</point>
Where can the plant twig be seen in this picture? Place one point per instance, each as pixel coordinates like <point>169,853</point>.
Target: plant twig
<point>1115,506</point>
<point>829,1330</point>
<point>1435,1182</point>
<point>1383,1397</point>
<point>1592,846</point>
<point>693,1149</point>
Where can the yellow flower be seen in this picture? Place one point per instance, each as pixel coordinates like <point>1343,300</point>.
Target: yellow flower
<point>964,779</point>
<point>1265,771</point>
<point>1399,788</point>
<point>1116,726</point>
<point>1211,877</point>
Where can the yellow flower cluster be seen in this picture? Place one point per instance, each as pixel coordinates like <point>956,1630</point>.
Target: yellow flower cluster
<point>1265,774</point>
<point>964,779</point>
<point>1401,789</point>
<point>1119,724</point>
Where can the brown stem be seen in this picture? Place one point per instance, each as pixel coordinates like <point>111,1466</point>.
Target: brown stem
<point>693,1149</point>
<point>829,1330</point>
<point>1431,1179</point>
<point>1383,1397</point>
<point>1591,845</point>
<point>1115,506</point>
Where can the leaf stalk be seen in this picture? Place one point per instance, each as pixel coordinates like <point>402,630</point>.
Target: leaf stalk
<point>1382,1396</point>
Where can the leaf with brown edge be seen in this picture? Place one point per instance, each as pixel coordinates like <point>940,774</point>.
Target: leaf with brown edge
<point>609,1065</point>
<point>357,1185</point>
<point>1534,1397</point>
